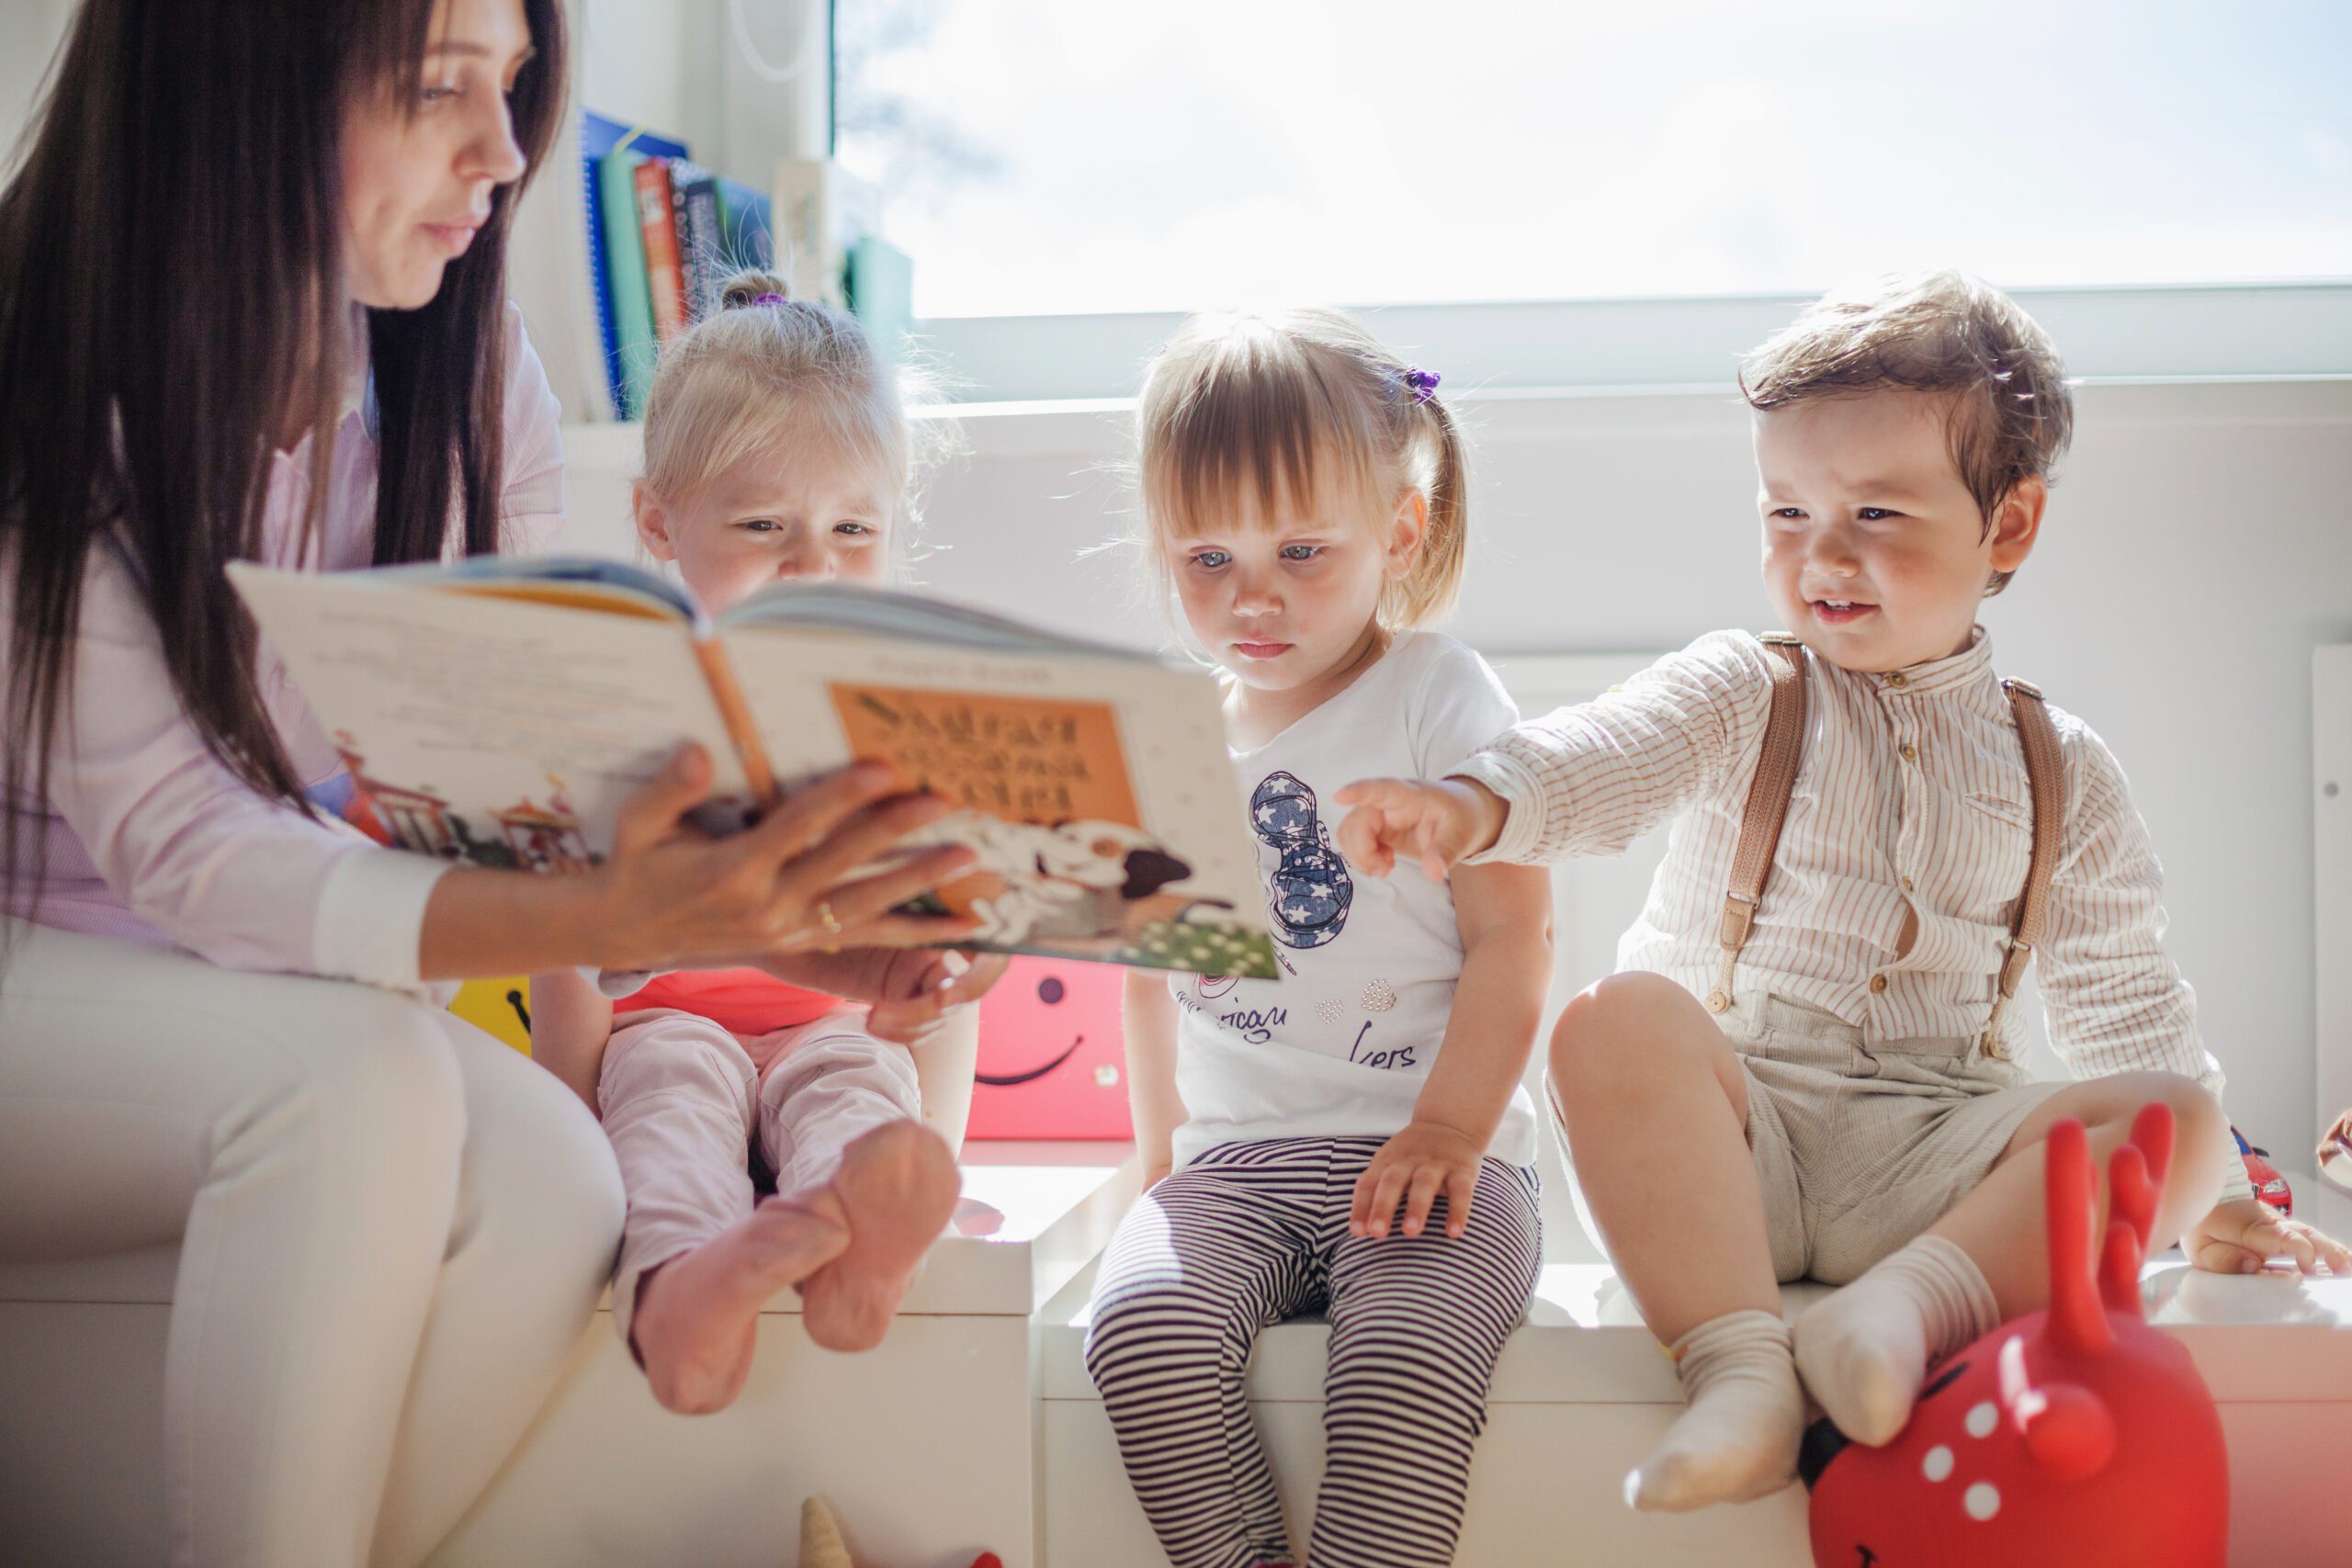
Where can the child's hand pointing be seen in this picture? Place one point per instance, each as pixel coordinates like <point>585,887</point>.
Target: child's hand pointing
<point>1435,823</point>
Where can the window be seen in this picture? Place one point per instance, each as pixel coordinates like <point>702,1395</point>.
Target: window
<point>1062,157</point>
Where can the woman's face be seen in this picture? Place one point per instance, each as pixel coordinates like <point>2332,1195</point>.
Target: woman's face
<point>417,176</point>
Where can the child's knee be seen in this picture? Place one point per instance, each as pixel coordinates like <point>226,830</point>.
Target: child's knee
<point>2198,1121</point>
<point>2201,1131</point>
<point>1622,1030</point>
<point>672,1049</point>
<point>1158,1325</point>
<point>2200,1128</point>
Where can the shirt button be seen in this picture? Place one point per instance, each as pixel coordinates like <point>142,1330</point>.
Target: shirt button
<point>1877,985</point>
<point>1910,753</point>
<point>1906,884</point>
<point>1718,1002</point>
<point>1898,679</point>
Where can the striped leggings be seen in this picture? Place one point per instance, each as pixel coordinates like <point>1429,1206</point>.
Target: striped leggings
<point>1251,1233</point>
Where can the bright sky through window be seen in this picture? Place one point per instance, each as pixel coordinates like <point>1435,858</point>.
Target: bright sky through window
<point>1069,156</point>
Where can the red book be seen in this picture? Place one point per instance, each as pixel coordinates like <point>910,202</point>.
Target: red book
<point>663,276</point>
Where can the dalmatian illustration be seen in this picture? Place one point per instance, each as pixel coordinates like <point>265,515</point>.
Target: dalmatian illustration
<point>1069,881</point>
<point>1311,888</point>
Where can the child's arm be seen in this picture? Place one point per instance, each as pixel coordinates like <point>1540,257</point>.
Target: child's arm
<point>1151,1028</point>
<point>1587,780</point>
<point>2117,1002</point>
<point>572,1022</point>
<point>1505,913</point>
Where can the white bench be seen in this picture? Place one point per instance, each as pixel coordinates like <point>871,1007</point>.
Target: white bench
<point>926,1447</point>
<point>1582,1390</point>
<point>975,1425</point>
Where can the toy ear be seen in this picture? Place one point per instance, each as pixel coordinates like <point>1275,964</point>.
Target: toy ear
<point>2068,1431</point>
<point>2077,1315</point>
<point>2132,1214</point>
<point>2152,1135</point>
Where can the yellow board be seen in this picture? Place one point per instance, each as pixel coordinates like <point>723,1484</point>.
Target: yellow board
<point>497,1007</point>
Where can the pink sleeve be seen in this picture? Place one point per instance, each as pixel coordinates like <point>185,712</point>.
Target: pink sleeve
<point>246,881</point>
<point>531,511</point>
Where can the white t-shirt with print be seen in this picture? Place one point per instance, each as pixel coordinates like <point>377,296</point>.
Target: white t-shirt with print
<point>1340,1045</point>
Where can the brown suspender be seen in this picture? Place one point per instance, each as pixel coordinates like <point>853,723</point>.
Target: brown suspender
<point>1768,808</point>
<point>2045,773</point>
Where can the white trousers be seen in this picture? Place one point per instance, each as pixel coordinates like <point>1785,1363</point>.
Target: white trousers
<point>392,1232</point>
<point>682,1102</point>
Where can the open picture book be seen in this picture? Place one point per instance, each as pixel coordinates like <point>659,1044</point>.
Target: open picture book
<point>498,711</point>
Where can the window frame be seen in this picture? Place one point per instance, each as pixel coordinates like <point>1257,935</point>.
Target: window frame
<point>2129,333</point>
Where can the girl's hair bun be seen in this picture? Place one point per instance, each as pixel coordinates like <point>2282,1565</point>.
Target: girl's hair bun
<point>745,289</point>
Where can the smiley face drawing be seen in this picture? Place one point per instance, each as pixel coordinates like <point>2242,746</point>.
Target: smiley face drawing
<point>1051,1064</point>
<point>1310,891</point>
<point>1052,990</point>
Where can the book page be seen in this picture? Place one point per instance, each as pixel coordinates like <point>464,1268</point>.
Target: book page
<point>484,729</point>
<point>1099,793</point>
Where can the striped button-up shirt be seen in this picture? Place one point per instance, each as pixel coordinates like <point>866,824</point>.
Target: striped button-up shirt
<point>1912,816</point>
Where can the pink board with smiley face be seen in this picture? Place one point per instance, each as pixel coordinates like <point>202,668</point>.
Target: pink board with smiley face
<point>1051,1062</point>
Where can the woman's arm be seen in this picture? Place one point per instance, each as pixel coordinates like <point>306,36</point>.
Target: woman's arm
<point>1505,913</point>
<point>671,897</point>
<point>1158,1110</point>
<point>572,1022</point>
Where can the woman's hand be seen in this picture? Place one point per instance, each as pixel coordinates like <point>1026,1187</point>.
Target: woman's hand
<point>671,897</point>
<point>2242,1235</point>
<point>1414,1167</point>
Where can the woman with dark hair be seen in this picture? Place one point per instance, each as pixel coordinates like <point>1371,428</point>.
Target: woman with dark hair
<point>251,306</point>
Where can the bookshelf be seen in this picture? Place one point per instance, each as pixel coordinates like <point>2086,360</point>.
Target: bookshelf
<point>680,67</point>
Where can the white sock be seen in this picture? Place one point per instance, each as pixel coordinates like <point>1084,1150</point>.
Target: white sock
<point>1738,1437</point>
<point>1863,1352</point>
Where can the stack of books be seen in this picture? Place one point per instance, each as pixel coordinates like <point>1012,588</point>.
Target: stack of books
<point>663,234</point>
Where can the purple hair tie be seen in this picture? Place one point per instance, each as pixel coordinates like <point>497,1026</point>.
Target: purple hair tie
<point>1422,382</point>
<point>770,299</point>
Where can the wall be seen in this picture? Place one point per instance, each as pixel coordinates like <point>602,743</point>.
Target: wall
<point>30,32</point>
<point>2198,546</point>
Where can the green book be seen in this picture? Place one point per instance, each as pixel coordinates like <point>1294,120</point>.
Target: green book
<point>632,292</point>
<point>882,293</point>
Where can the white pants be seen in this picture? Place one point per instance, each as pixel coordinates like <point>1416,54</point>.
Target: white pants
<point>682,1101</point>
<point>393,1231</point>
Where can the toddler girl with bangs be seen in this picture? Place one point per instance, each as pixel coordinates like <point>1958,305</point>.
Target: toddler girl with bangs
<point>1351,1139</point>
<point>776,448</point>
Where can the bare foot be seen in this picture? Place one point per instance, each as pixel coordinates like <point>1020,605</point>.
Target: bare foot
<point>696,1313</point>
<point>894,1192</point>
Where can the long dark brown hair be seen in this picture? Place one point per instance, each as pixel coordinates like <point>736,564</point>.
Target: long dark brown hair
<point>171,302</point>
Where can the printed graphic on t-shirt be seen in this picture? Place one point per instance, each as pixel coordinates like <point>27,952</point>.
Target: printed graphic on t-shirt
<point>1310,891</point>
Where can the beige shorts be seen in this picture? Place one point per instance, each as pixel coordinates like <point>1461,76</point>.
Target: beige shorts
<point>1859,1149</point>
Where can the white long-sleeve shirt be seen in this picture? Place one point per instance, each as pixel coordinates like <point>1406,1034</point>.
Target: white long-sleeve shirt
<point>149,836</point>
<point>1911,800</point>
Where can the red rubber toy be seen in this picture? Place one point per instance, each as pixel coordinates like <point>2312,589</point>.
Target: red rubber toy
<point>2074,1436</point>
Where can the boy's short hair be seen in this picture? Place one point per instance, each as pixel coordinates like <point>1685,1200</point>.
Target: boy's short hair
<point>1933,332</point>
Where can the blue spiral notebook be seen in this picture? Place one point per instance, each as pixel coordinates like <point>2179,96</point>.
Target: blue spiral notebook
<point>599,135</point>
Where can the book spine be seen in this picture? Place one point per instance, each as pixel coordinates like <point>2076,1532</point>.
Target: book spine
<point>736,714</point>
<point>706,245</point>
<point>600,279</point>
<point>745,225</point>
<point>694,261</point>
<point>632,301</point>
<point>663,278</point>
